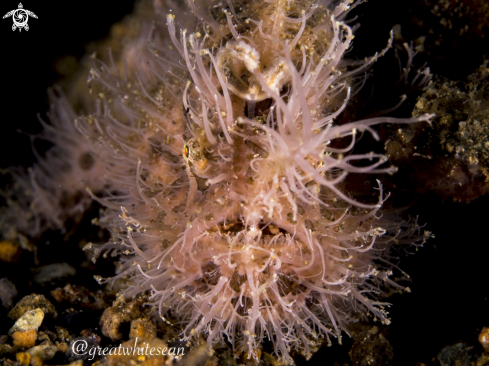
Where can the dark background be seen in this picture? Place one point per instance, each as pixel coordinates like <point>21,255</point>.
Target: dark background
<point>450,288</point>
<point>28,60</point>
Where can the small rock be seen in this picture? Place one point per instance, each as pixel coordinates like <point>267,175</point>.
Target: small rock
<point>62,334</point>
<point>32,302</point>
<point>8,251</point>
<point>7,292</point>
<point>36,361</point>
<point>30,320</point>
<point>62,347</point>
<point>45,351</point>
<point>46,335</point>
<point>53,271</point>
<point>459,354</point>
<point>484,338</point>
<point>25,338</point>
<point>75,363</point>
<point>119,313</point>
<point>142,328</point>
<point>23,358</point>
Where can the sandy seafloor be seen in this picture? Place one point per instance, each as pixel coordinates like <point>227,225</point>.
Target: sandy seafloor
<point>449,302</point>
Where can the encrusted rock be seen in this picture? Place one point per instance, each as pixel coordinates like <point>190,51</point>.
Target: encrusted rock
<point>450,156</point>
<point>32,302</point>
<point>121,312</point>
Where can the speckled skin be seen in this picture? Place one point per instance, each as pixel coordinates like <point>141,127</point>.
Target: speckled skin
<point>223,170</point>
